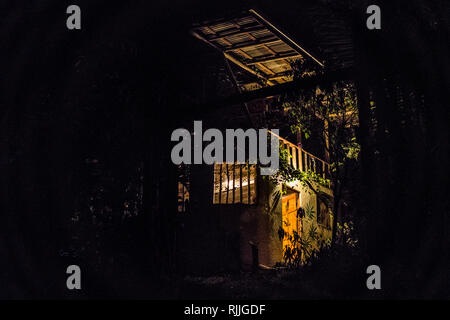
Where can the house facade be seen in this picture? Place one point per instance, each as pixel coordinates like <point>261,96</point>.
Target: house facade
<point>234,218</point>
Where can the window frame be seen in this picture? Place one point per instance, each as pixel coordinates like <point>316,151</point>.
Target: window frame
<point>250,168</point>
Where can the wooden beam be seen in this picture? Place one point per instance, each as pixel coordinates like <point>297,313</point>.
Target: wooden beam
<point>304,83</point>
<point>270,50</point>
<point>246,55</point>
<point>251,36</point>
<point>243,66</point>
<point>280,34</point>
<point>273,58</point>
<point>233,18</point>
<point>209,29</point>
<point>280,75</point>
<point>198,36</point>
<point>224,34</point>
<point>228,43</point>
<point>254,44</point>
<point>244,104</point>
<point>208,23</point>
<point>266,70</point>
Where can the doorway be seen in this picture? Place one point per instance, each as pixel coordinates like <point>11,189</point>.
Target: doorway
<point>291,223</point>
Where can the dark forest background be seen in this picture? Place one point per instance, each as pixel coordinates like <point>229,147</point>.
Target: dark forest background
<point>86,118</point>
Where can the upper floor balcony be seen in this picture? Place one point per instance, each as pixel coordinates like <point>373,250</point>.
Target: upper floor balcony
<point>302,160</point>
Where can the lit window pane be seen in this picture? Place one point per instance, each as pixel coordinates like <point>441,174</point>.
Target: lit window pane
<point>234,183</point>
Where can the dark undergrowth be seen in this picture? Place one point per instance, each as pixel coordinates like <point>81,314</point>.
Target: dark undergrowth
<point>334,275</point>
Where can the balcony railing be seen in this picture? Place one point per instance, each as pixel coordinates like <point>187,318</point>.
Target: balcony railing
<point>303,160</point>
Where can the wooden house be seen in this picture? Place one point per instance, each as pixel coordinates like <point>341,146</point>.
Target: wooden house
<point>233,218</point>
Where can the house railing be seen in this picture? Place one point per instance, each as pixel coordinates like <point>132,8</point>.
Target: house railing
<point>303,160</point>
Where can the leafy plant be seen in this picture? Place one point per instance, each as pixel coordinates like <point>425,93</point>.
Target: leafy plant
<point>299,250</point>
<point>310,211</point>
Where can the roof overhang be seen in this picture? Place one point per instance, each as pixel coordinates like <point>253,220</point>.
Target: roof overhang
<point>254,44</point>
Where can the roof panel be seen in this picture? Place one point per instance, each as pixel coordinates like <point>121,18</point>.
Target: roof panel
<point>278,66</point>
<point>220,27</point>
<point>255,45</point>
<point>246,21</point>
<point>262,34</point>
<point>239,38</point>
<point>257,52</point>
<point>281,48</point>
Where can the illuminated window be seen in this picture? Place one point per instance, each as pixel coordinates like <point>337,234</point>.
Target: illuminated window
<point>234,183</point>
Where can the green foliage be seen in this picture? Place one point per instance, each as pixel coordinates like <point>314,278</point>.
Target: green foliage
<point>346,232</point>
<point>337,107</point>
<point>326,116</point>
<point>287,173</point>
<point>310,211</point>
<point>301,249</point>
<point>352,148</point>
<point>312,234</point>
